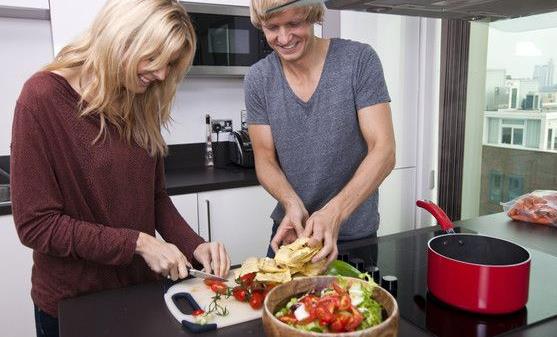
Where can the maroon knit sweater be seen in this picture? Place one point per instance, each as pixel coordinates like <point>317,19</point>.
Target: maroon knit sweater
<point>79,206</point>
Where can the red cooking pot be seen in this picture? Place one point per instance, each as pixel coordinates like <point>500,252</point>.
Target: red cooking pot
<point>475,272</point>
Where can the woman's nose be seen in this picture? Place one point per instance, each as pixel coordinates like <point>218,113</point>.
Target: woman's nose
<point>161,73</point>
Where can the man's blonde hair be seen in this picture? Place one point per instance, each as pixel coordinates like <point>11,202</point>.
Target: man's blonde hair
<point>124,33</point>
<point>258,11</point>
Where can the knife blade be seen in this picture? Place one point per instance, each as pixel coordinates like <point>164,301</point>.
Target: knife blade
<point>201,274</point>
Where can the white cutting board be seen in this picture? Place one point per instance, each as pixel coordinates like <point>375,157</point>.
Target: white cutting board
<point>238,311</point>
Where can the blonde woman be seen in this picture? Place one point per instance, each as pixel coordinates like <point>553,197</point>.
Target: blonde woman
<point>320,124</point>
<point>88,187</point>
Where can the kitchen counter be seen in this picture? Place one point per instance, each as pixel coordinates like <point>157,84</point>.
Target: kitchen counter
<point>140,310</point>
<point>195,179</point>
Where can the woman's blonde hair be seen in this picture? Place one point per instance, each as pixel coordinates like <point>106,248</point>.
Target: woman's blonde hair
<point>258,11</point>
<point>124,33</point>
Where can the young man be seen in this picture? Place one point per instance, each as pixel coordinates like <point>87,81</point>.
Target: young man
<point>320,124</point>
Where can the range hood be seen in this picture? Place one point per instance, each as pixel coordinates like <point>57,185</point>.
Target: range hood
<point>472,10</point>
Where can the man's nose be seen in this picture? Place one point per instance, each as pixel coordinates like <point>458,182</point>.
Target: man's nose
<point>283,36</point>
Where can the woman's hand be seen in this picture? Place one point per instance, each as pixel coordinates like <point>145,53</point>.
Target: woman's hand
<point>213,257</point>
<point>162,257</point>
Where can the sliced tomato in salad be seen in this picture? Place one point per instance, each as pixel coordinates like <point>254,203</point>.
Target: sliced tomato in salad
<point>345,303</point>
<point>355,320</point>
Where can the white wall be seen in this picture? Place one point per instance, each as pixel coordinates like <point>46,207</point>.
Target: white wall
<point>409,51</point>
<point>26,46</point>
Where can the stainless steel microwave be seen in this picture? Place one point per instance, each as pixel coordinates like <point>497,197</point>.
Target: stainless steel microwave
<point>227,43</point>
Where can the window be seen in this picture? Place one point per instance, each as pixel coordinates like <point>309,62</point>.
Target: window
<point>493,130</point>
<point>495,182</point>
<point>517,151</point>
<point>517,136</point>
<point>514,93</point>
<point>516,187</point>
<point>512,132</point>
<point>507,136</point>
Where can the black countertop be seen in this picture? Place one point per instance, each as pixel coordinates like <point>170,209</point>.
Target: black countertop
<point>140,310</point>
<point>196,179</point>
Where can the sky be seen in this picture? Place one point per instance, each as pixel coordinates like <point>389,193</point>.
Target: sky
<point>519,52</point>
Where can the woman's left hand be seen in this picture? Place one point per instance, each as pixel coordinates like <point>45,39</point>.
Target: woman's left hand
<point>213,257</point>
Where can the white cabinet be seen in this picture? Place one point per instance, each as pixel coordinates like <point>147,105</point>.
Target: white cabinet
<point>16,306</point>
<point>31,4</point>
<point>186,204</point>
<point>397,204</point>
<point>239,218</point>
<point>24,9</point>
<point>69,18</point>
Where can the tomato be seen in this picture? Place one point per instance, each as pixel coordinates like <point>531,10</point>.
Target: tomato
<point>340,321</point>
<point>256,300</point>
<point>345,303</point>
<point>247,280</point>
<point>355,320</point>
<point>330,303</point>
<point>219,288</point>
<point>198,312</point>
<point>209,282</point>
<point>325,317</point>
<point>309,300</point>
<point>240,294</point>
<point>337,326</point>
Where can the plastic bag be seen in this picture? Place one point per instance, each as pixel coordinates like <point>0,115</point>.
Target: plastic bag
<point>537,207</point>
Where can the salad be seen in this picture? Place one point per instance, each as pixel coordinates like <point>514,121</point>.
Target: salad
<point>344,306</point>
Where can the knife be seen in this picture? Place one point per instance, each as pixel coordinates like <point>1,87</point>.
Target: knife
<point>201,274</point>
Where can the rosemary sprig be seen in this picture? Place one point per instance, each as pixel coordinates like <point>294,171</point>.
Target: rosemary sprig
<point>216,307</point>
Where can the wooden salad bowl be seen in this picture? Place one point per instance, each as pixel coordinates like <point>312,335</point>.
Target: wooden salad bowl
<point>279,295</point>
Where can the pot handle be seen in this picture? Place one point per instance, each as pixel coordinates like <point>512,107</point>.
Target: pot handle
<point>440,215</point>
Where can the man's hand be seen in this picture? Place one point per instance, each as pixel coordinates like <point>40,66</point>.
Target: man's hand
<point>213,257</point>
<point>323,226</point>
<point>162,257</point>
<point>291,226</point>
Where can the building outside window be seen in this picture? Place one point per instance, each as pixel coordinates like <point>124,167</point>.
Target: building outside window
<point>518,122</point>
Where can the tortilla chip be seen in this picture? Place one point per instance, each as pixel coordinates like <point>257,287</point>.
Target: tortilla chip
<point>250,265</point>
<point>313,269</point>
<point>268,265</point>
<point>280,277</point>
<point>296,254</point>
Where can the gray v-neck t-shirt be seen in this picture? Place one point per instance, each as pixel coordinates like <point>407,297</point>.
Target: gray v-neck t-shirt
<point>318,143</point>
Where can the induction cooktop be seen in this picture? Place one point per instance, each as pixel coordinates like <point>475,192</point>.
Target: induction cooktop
<point>405,256</point>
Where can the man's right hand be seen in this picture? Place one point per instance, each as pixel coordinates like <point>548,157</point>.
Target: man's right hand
<point>291,226</point>
<point>162,257</point>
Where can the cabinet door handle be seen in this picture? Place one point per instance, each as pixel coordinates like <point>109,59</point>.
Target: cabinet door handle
<point>208,219</point>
